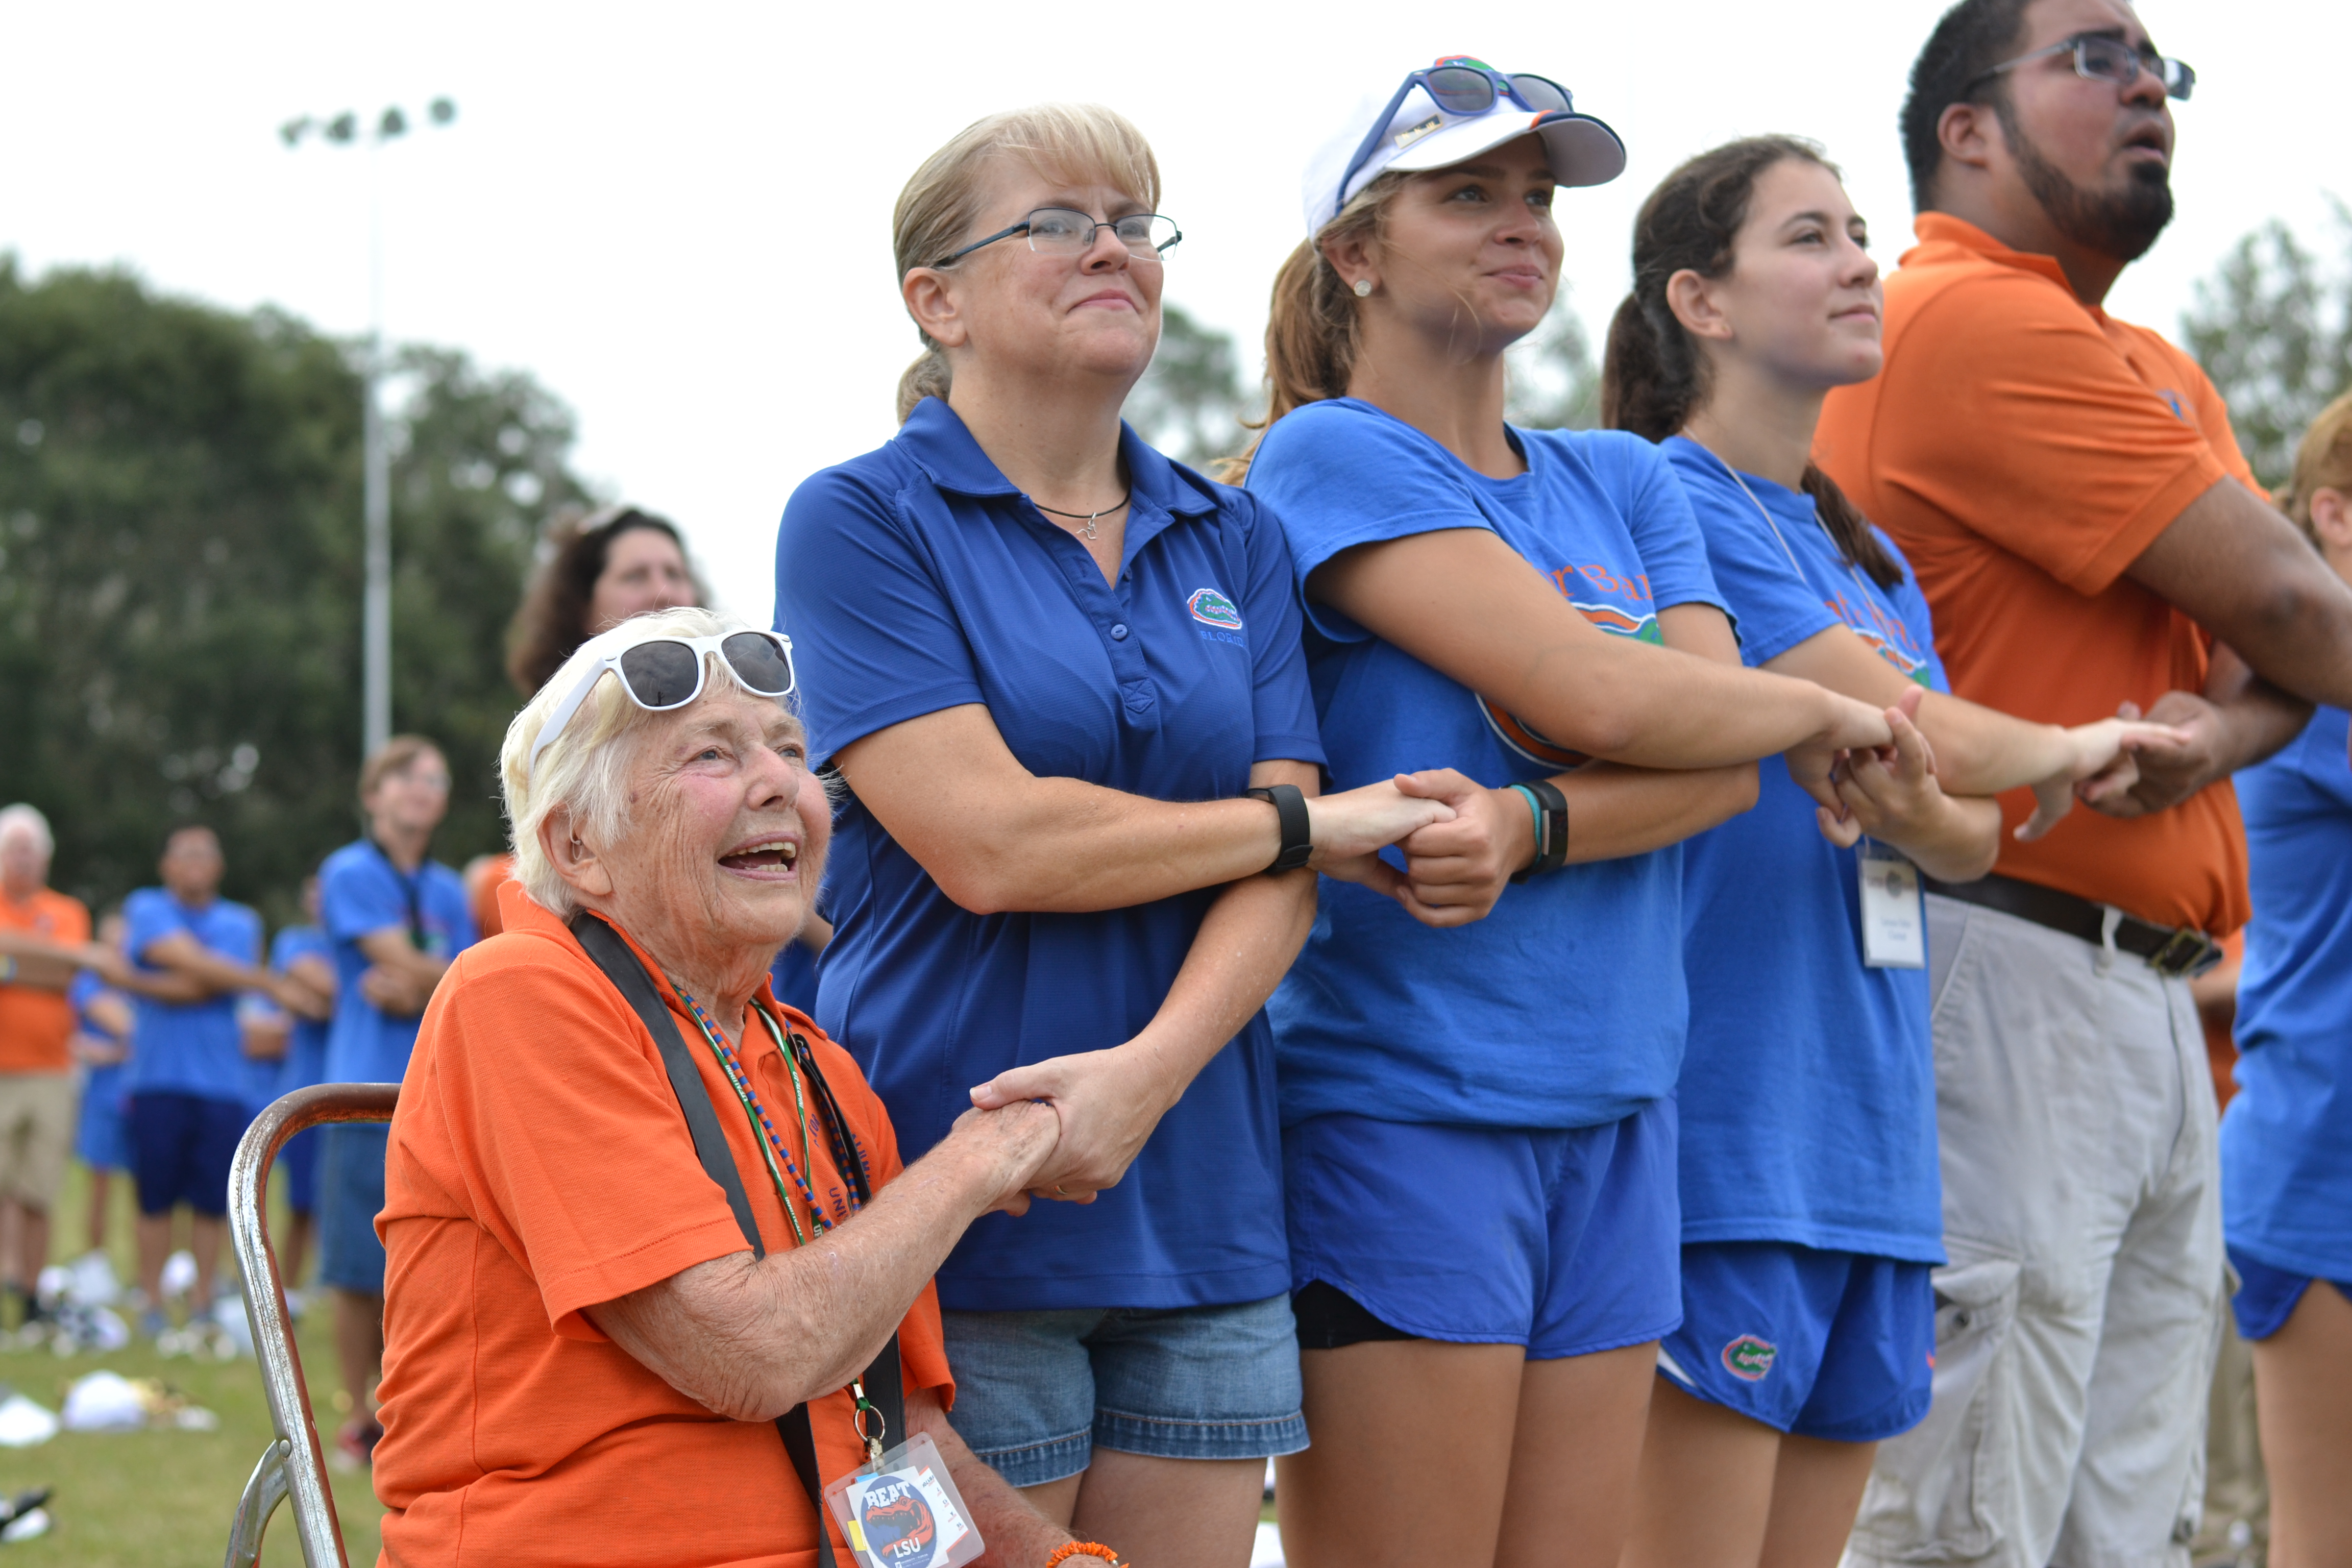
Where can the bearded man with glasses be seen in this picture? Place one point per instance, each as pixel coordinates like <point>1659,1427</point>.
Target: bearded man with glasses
<point>2092,542</point>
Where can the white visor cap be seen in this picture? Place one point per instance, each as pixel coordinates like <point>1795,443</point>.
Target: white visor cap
<point>1420,134</point>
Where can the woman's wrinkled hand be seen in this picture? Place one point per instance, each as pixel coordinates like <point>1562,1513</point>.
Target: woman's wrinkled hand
<point>1011,1143</point>
<point>1349,829</point>
<point>1454,871</point>
<point>1108,1102</point>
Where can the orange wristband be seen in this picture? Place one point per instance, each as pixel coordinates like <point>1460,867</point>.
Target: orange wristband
<point>1084,1549</point>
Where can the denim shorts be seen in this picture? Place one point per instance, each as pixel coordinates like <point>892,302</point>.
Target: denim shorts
<point>1036,1390</point>
<point>182,1146</point>
<point>1566,1242</point>
<point>1834,1345</point>
<point>351,1194</point>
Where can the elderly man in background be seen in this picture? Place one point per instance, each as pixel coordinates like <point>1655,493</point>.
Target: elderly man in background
<point>2089,537</point>
<point>635,1210</point>
<point>44,941</point>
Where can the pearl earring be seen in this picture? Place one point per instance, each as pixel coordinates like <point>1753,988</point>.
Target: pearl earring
<point>1363,288</point>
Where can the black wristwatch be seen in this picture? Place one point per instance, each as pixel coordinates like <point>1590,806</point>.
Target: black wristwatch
<point>1298,841</point>
<point>1551,852</point>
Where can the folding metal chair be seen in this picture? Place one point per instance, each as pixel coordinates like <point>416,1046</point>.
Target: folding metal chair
<point>293,1465</point>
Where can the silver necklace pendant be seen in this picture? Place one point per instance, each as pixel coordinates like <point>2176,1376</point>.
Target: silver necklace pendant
<point>1087,529</point>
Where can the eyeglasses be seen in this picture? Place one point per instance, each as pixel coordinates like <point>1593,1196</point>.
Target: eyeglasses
<point>660,672</point>
<point>2101,58</point>
<point>1460,87</point>
<point>1059,231</point>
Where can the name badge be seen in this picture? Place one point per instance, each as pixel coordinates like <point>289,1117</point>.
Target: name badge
<point>1894,916</point>
<point>905,1512</point>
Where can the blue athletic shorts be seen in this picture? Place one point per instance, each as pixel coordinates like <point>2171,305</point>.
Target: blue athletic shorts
<point>102,1132</point>
<point>1564,1242</point>
<point>1835,1345</point>
<point>300,1158</point>
<point>2267,1297</point>
<point>351,1194</point>
<point>1036,1392</point>
<point>182,1146</point>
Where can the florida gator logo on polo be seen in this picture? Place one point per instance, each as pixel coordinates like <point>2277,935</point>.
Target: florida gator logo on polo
<point>1212,609</point>
<point>1748,1358</point>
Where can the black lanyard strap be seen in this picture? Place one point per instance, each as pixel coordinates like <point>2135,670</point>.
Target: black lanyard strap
<point>881,1381</point>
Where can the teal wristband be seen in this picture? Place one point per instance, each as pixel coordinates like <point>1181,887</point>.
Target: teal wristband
<point>1535,810</point>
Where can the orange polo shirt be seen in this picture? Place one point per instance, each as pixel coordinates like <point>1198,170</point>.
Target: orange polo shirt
<point>2024,449</point>
<point>539,1166</point>
<point>35,1024</point>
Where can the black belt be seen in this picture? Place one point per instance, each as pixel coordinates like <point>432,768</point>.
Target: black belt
<point>2186,952</point>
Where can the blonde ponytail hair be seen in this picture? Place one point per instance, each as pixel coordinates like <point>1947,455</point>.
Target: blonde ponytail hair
<point>941,207</point>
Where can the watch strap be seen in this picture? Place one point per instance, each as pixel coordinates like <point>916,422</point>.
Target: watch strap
<point>1289,803</point>
<point>1551,828</point>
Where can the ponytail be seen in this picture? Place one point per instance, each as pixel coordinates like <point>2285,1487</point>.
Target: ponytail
<point>1310,329</point>
<point>929,376</point>
<point>1652,376</point>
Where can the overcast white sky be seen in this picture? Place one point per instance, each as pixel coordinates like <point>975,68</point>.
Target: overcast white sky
<point>678,217</point>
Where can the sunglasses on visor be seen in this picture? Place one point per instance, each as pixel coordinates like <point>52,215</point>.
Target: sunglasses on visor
<point>1460,88</point>
<point>660,671</point>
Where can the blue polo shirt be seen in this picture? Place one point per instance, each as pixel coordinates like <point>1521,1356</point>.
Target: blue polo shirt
<point>915,578</point>
<point>306,1052</point>
<point>1807,1091</point>
<point>2286,1142</point>
<point>361,892</point>
<point>1564,1008</point>
<point>193,1047</point>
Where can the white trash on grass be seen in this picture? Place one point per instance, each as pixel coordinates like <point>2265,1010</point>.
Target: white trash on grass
<point>23,1424</point>
<point>103,1401</point>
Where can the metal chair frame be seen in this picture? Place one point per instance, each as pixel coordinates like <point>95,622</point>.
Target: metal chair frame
<point>293,1466</point>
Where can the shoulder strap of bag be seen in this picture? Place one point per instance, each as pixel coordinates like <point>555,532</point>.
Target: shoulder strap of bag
<point>883,1386</point>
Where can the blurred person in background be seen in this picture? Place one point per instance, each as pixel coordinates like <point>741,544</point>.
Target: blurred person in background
<point>396,918</point>
<point>191,954</point>
<point>2068,488</point>
<point>306,955</point>
<point>1052,666</point>
<point>44,938</point>
<point>104,1018</point>
<point>2287,1143</point>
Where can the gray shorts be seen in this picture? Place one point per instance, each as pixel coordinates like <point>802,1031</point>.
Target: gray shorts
<point>2078,1318</point>
<point>1036,1391</point>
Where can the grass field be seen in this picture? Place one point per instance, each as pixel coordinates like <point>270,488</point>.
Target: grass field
<point>162,1499</point>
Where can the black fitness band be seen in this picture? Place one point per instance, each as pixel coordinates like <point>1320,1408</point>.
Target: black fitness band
<point>1552,853</point>
<point>1298,841</point>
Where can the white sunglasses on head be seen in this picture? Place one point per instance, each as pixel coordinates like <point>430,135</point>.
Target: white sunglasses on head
<point>660,670</point>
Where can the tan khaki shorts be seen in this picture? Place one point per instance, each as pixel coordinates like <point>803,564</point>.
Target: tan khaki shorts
<point>36,1129</point>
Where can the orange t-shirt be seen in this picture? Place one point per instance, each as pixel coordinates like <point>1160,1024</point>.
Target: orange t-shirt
<point>482,886</point>
<point>538,1165</point>
<point>35,1024</point>
<point>2024,449</point>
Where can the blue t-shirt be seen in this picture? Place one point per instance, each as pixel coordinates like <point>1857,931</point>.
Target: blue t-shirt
<point>306,1051</point>
<point>1808,1092</point>
<point>1564,1008</point>
<point>190,1048</point>
<point>2287,1143</point>
<point>101,1086</point>
<point>915,578</point>
<point>361,892</point>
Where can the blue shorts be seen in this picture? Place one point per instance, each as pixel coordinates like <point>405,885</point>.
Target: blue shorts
<point>2267,1297</point>
<point>1037,1391</point>
<point>182,1146</point>
<point>102,1132</point>
<point>299,1159</point>
<point>351,1194</point>
<point>1564,1242</point>
<point>1834,1345</point>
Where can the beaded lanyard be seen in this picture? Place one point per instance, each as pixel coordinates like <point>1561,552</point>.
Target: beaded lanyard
<point>773,1148</point>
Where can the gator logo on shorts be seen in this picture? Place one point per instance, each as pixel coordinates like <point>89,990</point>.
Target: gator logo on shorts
<point>1748,1358</point>
<point>897,1524</point>
<point>1212,609</point>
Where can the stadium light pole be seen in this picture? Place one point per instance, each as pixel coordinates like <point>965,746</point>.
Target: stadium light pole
<point>375,617</point>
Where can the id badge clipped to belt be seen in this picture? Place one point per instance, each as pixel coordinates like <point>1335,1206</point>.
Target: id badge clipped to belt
<point>903,1510</point>
<point>1894,915</point>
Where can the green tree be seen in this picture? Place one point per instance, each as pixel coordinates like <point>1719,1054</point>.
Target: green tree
<point>1554,384</point>
<point>2272,327</point>
<point>1191,403</point>
<point>180,576</point>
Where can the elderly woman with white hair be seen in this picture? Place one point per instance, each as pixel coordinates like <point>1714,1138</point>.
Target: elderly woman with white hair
<point>635,1210</point>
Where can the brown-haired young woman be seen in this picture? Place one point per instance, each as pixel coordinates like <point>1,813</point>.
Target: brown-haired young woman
<point>1810,1195</point>
<point>606,567</point>
<point>1478,1131</point>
